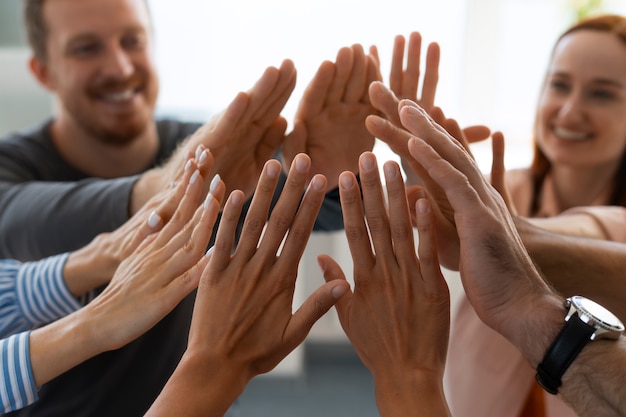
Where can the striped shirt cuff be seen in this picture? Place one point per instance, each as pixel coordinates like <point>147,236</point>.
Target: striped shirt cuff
<point>18,384</point>
<point>42,293</point>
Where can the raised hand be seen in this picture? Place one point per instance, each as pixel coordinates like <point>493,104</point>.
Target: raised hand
<point>329,123</point>
<point>243,323</point>
<point>147,285</point>
<point>398,316</point>
<point>246,134</point>
<point>404,81</point>
<point>490,247</point>
<point>94,264</point>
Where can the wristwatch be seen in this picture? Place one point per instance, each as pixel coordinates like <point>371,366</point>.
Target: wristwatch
<point>585,321</point>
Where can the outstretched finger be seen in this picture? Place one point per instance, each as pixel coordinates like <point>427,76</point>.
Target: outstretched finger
<point>431,76</point>
<point>433,279</point>
<point>357,84</point>
<point>343,68</point>
<point>354,220</point>
<point>221,251</point>
<point>498,171</point>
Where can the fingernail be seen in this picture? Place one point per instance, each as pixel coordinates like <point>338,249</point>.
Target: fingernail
<point>272,170</point>
<point>188,165</point>
<point>153,219</point>
<point>317,183</point>
<point>422,206</point>
<point>302,164</point>
<point>209,252</point>
<point>376,120</point>
<point>198,152</point>
<point>235,198</point>
<point>346,181</point>
<point>207,201</point>
<point>194,176</point>
<point>215,182</point>
<point>203,156</point>
<point>368,162</point>
<point>338,291</point>
<point>391,171</point>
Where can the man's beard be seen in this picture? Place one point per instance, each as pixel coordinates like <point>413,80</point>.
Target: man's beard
<point>120,136</point>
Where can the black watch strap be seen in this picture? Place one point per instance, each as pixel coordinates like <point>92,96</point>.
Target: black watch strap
<point>572,338</point>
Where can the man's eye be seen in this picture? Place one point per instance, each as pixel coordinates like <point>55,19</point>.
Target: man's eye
<point>133,42</point>
<point>86,49</point>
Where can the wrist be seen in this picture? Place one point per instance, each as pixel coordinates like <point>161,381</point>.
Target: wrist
<point>148,184</point>
<point>402,393</point>
<point>534,326</point>
<point>89,267</point>
<point>61,345</point>
<point>209,385</point>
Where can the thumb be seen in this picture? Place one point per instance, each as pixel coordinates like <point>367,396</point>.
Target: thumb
<point>313,308</point>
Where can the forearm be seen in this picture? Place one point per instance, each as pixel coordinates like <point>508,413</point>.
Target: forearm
<point>63,344</point>
<point>594,383</point>
<point>41,219</point>
<point>575,225</point>
<point>579,266</point>
<point>199,389</point>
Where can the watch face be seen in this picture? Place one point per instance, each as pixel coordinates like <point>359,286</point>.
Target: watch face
<point>598,312</point>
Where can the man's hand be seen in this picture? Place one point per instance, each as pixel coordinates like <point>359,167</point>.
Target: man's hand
<point>241,139</point>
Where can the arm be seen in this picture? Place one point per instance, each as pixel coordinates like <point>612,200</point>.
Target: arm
<point>499,277</point>
<point>398,316</point>
<point>243,323</point>
<point>39,219</point>
<point>579,266</point>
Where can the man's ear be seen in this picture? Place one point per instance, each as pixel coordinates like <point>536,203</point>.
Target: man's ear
<point>40,70</point>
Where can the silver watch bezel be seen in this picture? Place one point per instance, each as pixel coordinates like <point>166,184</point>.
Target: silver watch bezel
<point>603,329</point>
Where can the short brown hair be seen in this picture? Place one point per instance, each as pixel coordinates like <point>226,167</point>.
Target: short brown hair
<point>36,28</point>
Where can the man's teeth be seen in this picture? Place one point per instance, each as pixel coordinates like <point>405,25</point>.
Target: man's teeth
<point>568,134</point>
<point>121,96</point>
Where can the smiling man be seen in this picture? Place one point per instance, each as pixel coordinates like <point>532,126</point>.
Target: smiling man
<point>104,81</point>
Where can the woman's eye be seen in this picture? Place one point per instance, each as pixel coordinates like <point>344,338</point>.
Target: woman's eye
<point>559,86</point>
<point>602,95</point>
